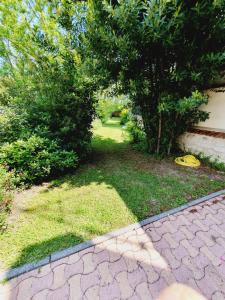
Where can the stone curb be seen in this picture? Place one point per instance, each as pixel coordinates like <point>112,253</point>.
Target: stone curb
<point>11,273</point>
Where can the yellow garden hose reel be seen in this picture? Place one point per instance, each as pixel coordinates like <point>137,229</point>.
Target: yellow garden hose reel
<point>188,161</point>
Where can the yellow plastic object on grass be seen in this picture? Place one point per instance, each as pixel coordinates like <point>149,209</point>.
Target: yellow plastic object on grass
<point>188,161</point>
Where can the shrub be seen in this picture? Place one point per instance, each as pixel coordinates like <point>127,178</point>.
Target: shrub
<point>125,116</point>
<point>12,125</point>
<point>137,134</point>
<point>6,187</point>
<point>36,158</point>
<point>211,162</point>
<point>61,110</point>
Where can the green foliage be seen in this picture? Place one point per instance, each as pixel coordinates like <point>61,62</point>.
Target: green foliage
<point>125,116</point>
<point>212,163</point>
<point>105,107</point>
<point>12,125</point>
<point>6,186</point>
<point>109,103</point>
<point>44,89</point>
<point>36,158</point>
<point>163,53</point>
<point>137,135</point>
<point>58,107</point>
<point>176,117</point>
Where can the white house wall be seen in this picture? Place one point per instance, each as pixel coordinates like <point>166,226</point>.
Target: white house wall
<point>197,143</point>
<point>210,146</point>
<point>216,108</point>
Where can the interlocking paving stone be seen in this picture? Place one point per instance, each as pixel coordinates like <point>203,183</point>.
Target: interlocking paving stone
<point>186,248</point>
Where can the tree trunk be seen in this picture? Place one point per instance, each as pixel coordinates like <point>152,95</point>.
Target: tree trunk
<point>159,133</point>
<point>150,124</point>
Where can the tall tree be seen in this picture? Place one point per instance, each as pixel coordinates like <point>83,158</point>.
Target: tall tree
<point>163,53</point>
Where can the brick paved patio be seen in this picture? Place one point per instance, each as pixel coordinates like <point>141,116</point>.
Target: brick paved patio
<point>186,248</point>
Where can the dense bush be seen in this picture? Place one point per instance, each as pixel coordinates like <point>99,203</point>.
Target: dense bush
<point>53,100</point>
<point>45,91</point>
<point>7,180</point>
<point>36,158</point>
<point>12,125</point>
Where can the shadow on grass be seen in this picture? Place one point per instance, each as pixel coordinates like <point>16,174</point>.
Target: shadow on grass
<point>112,125</point>
<point>140,190</point>
<point>144,192</point>
<point>106,145</point>
<point>43,249</point>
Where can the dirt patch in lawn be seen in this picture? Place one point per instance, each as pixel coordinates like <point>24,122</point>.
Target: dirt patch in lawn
<point>21,200</point>
<point>167,166</point>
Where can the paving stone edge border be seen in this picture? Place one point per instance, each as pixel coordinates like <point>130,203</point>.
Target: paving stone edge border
<point>11,273</point>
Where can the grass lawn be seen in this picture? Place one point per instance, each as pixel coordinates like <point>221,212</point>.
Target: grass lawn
<point>118,186</point>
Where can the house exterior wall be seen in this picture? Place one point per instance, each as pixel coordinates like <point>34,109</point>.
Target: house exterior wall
<point>207,144</point>
<point>216,108</point>
<point>197,143</point>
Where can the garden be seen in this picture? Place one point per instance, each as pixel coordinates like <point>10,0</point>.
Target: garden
<point>93,97</point>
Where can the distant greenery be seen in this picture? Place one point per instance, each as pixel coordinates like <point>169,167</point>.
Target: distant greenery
<point>106,107</point>
<point>119,186</point>
<point>108,104</point>
<point>163,54</point>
